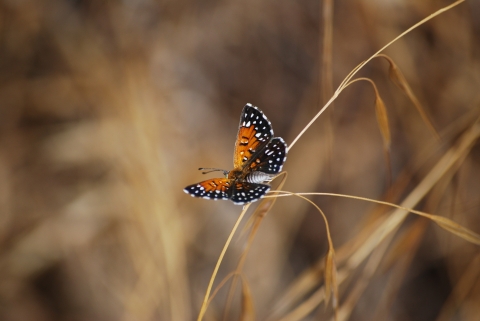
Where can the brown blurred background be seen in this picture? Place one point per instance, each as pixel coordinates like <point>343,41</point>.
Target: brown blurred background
<point>107,109</point>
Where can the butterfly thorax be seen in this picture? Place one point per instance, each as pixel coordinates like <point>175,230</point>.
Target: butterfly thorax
<point>236,174</point>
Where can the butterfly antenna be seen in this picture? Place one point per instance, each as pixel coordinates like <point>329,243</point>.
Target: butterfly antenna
<point>210,170</point>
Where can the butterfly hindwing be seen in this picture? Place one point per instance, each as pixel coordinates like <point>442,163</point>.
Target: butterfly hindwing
<point>254,132</point>
<point>271,158</point>
<point>215,189</point>
<point>244,192</point>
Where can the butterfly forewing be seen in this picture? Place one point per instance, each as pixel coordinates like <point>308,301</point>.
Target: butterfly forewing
<point>254,132</point>
<point>244,192</point>
<point>271,158</point>
<point>215,189</point>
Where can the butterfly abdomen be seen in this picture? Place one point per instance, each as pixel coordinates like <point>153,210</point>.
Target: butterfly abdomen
<point>258,177</point>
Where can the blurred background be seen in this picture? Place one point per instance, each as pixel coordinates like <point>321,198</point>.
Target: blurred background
<point>107,109</point>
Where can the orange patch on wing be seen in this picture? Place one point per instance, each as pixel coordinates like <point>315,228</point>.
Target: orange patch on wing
<point>246,141</point>
<point>216,184</point>
<point>239,186</point>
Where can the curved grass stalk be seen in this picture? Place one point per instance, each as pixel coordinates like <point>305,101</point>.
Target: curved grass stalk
<point>203,309</point>
<point>347,79</point>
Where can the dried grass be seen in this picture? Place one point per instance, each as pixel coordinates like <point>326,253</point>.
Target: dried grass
<point>107,108</point>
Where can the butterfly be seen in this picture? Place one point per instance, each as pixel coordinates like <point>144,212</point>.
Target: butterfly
<point>257,158</point>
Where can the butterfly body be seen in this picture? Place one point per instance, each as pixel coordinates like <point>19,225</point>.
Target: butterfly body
<point>257,158</point>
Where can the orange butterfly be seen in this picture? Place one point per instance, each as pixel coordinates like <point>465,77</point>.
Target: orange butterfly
<point>257,158</point>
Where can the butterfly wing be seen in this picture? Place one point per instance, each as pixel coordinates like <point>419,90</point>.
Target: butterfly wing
<point>214,189</point>
<point>271,158</point>
<point>254,133</point>
<point>244,192</point>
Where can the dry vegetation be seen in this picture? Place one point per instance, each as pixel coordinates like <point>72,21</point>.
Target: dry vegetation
<point>107,108</point>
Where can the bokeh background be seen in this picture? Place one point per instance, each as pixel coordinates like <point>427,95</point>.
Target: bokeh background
<point>107,109</point>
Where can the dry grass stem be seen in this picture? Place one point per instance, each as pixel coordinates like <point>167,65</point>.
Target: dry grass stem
<point>109,107</point>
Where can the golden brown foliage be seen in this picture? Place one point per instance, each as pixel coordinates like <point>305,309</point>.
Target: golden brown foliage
<point>107,108</point>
